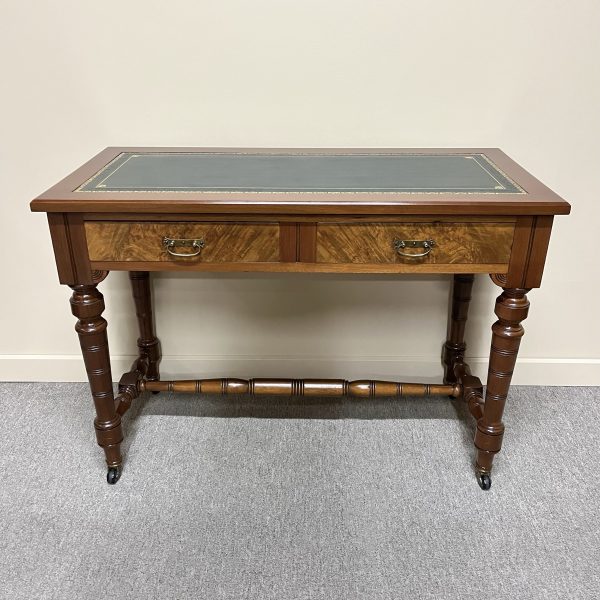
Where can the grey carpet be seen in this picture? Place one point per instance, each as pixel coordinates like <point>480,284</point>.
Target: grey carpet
<point>224,499</point>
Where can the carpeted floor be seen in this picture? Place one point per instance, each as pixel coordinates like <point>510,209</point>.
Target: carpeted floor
<point>280,499</point>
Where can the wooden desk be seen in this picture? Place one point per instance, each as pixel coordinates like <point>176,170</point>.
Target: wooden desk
<point>458,211</point>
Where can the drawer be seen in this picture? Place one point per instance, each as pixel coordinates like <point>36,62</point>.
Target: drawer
<point>454,243</point>
<point>216,242</point>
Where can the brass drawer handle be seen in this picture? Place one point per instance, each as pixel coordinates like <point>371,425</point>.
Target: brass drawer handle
<point>399,245</point>
<point>171,243</point>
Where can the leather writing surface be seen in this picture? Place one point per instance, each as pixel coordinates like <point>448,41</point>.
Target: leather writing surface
<point>252,172</point>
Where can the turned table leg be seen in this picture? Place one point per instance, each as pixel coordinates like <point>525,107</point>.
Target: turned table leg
<point>511,308</point>
<point>148,343</point>
<point>87,304</point>
<point>454,348</point>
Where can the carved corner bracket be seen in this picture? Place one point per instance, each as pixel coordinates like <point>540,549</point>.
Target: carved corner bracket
<point>98,276</point>
<point>500,279</point>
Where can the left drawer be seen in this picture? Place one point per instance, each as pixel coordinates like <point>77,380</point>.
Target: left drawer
<point>215,242</point>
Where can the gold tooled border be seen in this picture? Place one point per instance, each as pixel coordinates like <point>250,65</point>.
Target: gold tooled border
<point>189,190</point>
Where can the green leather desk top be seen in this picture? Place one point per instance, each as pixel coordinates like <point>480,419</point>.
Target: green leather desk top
<point>307,181</point>
<point>309,173</point>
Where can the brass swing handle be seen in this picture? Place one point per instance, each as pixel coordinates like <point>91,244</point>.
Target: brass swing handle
<point>399,246</point>
<point>171,243</point>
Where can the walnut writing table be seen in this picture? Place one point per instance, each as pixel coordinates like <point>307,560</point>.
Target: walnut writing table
<point>458,211</point>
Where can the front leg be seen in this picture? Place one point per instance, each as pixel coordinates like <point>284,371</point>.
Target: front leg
<point>511,308</point>
<point>87,304</point>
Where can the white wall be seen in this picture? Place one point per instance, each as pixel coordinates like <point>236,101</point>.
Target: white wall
<point>79,76</point>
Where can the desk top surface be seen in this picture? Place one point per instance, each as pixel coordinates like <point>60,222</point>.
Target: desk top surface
<point>301,173</point>
<point>420,181</point>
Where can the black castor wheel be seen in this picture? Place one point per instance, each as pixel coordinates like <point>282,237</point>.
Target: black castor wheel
<point>113,475</point>
<point>484,480</point>
<point>154,393</point>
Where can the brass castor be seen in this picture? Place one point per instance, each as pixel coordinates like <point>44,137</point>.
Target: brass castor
<point>484,480</point>
<point>113,475</point>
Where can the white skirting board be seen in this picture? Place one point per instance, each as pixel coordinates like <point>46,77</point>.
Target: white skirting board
<point>529,371</point>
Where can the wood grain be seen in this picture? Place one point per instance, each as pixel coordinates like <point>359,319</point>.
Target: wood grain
<point>142,242</point>
<point>297,267</point>
<point>456,243</point>
<point>288,242</point>
<point>307,242</point>
<point>290,218</point>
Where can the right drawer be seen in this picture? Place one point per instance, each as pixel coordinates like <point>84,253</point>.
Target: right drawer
<point>383,243</point>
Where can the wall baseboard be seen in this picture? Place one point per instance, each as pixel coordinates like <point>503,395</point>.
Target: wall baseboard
<point>529,371</point>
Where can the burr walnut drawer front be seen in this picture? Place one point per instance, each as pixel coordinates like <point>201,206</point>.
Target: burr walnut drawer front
<point>420,243</point>
<point>182,242</point>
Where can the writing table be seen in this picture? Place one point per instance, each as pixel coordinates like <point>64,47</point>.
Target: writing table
<point>455,211</point>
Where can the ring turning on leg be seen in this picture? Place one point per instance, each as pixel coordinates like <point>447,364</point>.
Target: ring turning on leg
<point>87,304</point>
<point>511,308</point>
